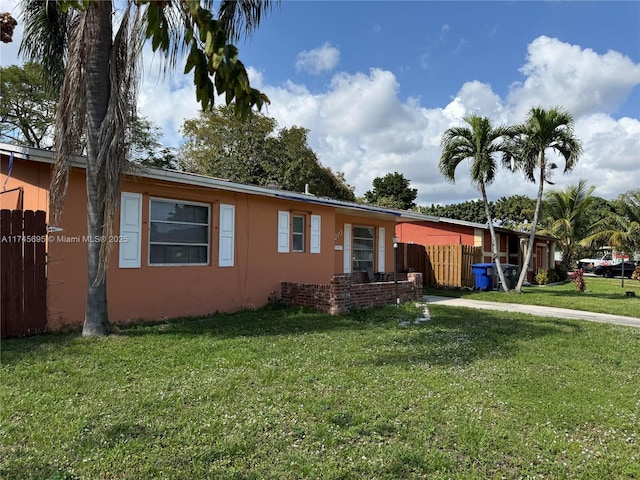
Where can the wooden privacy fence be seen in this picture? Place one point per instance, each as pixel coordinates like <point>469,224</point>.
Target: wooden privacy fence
<point>23,283</point>
<point>450,265</point>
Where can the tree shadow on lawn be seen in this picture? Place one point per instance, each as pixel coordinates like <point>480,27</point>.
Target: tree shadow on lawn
<point>267,321</point>
<point>17,349</point>
<point>461,336</point>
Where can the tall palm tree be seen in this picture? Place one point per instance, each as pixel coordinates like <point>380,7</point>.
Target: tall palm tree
<point>542,130</point>
<point>96,71</point>
<point>622,228</point>
<point>565,211</point>
<point>479,144</point>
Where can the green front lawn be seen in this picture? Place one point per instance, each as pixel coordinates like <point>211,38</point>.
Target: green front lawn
<point>288,394</point>
<point>603,295</point>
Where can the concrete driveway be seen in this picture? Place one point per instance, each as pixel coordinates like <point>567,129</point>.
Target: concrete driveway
<point>534,310</point>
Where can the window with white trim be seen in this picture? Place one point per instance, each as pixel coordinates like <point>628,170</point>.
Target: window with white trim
<point>178,233</point>
<point>297,234</point>
<point>363,248</point>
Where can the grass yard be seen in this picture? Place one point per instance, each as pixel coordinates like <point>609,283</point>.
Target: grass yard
<point>288,394</point>
<point>603,295</point>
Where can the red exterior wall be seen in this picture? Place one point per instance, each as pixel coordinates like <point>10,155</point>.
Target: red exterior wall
<point>434,233</point>
<point>425,232</point>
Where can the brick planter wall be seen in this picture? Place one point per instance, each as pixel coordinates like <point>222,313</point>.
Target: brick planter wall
<point>347,291</point>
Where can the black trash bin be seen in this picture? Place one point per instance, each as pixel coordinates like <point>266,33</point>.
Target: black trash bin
<point>511,275</point>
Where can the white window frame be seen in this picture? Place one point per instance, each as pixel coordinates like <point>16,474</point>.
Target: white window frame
<point>208,225</point>
<point>373,246</point>
<point>295,234</point>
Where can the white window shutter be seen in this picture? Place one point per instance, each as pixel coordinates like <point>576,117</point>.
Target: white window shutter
<point>381,244</point>
<point>130,228</point>
<point>347,248</point>
<point>316,221</point>
<point>283,231</point>
<point>226,235</point>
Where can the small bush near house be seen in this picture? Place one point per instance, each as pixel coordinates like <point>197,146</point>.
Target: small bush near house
<point>558,274</point>
<point>542,277</point>
<point>553,275</point>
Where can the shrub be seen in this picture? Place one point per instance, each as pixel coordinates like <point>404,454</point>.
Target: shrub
<point>578,279</point>
<point>560,273</point>
<point>542,277</point>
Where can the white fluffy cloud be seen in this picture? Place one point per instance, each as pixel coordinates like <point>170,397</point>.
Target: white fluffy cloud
<point>581,80</point>
<point>319,60</point>
<point>360,126</point>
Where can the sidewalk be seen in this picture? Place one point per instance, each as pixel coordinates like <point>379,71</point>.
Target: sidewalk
<point>535,310</point>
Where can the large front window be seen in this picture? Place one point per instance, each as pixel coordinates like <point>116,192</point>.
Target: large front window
<point>363,243</point>
<point>178,233</point>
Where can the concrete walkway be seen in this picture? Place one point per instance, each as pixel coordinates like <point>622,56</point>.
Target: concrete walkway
<point>534,310</point>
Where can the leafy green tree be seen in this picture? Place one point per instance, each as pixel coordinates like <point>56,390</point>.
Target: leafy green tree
<point>252,151</point>
<point>146,147</point>
<point>220,144</point>
<point>543,130</point>
<point>479,143</point>
<point>27,109</point>
<point>393,191</point>
<point>469,211</point>
<point>514,212</point>
<point>565,214</point>
<point>91,57</point>
<point>27,117</point>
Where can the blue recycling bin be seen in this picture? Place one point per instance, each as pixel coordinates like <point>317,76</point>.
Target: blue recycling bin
<point>483,273</point>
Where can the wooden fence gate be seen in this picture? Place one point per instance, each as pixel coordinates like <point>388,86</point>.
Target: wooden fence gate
<point>23,281</point>
<point>450,265</point>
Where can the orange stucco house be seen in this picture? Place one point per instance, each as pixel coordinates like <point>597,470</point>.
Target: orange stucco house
<point>192,245</point>
<point>428,230</point>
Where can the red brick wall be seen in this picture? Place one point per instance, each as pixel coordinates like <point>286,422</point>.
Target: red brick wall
<point>347,291</point>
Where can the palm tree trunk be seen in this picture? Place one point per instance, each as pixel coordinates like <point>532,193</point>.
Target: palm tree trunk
<point>532,235</point>
<point>96,320</point>
<point>494,243</point>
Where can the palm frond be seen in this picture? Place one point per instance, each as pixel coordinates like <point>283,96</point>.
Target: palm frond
<point>70,115</point>
<point>240,18</point>
<point>45,39</point>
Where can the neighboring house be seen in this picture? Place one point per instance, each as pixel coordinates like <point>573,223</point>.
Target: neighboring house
<point>192,245</point>
<point>428,230</point>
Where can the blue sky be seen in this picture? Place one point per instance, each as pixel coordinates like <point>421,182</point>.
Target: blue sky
<point>434,47</point>
<point>376,84</point>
